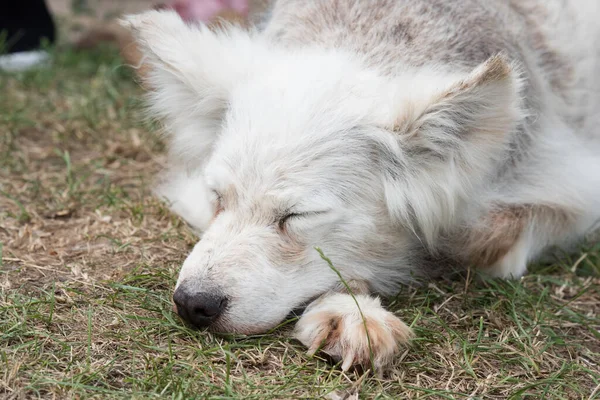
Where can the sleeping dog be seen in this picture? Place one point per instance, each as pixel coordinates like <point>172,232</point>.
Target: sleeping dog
<point>405,138</point>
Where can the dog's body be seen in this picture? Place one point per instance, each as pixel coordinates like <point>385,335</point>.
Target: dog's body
<point>403,137</point>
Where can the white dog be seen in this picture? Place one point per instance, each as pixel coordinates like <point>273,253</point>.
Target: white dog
<point>405,138</point>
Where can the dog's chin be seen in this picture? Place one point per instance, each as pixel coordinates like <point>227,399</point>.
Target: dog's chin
<point>224,327</point>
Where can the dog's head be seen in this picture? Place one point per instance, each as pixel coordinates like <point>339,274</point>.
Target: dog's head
<point>297,148</point>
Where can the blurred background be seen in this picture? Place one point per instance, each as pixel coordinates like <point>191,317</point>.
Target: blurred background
<point>26,26</point>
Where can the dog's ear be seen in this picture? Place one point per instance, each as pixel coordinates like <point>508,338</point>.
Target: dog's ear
<point>450,143</point>
<point>189,71</point>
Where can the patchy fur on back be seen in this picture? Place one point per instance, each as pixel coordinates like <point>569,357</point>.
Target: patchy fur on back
<point>406,139</point>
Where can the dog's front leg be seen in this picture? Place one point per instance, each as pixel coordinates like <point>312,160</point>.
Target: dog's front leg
<point>355,329</point>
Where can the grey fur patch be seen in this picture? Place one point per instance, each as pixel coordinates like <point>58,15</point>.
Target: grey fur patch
<point>396,34</point>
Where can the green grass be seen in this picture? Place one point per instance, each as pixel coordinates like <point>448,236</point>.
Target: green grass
<point>89,260</point>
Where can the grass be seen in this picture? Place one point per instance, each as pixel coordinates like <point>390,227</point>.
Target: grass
<point>89,260</point>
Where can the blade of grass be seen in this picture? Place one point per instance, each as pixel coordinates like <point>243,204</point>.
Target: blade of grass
<point>334,269</point>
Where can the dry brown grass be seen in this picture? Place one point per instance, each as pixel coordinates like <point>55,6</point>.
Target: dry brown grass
<point>89,259</point>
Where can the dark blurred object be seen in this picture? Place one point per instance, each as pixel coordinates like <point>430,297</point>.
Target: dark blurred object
<point>25,24</point>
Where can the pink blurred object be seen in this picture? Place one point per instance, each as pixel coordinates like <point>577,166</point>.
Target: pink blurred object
<point>206,10</point>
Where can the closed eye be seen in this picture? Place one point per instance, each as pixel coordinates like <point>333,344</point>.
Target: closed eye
<point>286,218</point>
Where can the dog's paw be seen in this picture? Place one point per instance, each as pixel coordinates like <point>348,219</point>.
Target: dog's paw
<point>334,324</point>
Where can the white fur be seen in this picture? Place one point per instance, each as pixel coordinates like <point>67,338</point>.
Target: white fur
<point>186,194</point>
<point>368,163</point>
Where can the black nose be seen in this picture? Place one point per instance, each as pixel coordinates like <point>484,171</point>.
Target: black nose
<point>198,309</point>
